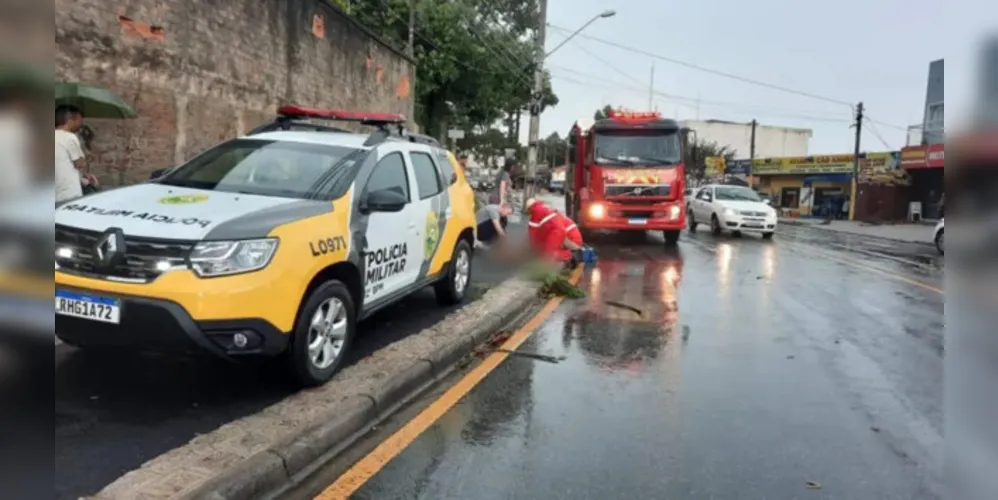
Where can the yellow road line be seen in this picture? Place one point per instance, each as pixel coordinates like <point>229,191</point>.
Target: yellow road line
<point>367,467</point>
<point>876,270</point>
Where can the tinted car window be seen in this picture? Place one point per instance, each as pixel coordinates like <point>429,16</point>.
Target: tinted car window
<point>274,168</point>
<point>389,173</point>
<point>427,176</point>
<point>446,168</point>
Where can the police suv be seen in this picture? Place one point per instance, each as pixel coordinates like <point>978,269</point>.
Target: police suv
<point>275,243</point>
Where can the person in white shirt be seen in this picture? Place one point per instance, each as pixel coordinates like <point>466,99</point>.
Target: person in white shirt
<point>69,157</point>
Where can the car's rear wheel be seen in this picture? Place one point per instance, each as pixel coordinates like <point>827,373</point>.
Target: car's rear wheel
<point>454,287</point>
<point>323,333</point>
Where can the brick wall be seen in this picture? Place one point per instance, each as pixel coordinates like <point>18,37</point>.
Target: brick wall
<point>200,71</point>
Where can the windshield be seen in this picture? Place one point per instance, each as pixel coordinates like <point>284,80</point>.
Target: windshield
<point>271,168</point>
<point>645,149</point>
<point>735,193</point>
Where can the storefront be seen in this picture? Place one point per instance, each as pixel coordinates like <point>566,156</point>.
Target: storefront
<point>806,186</point>
<point>924,165</point>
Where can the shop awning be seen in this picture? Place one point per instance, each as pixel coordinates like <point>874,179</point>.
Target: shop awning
<point>811,179</point>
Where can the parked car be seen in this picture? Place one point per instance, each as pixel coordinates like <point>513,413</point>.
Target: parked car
<point>272,244</point>
<point>940,237</point>
<point>731,208</point>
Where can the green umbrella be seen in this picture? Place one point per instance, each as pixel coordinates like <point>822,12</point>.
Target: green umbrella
<point>93,101</point>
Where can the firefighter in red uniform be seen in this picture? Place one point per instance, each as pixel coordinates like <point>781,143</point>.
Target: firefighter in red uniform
<point>553,235</point>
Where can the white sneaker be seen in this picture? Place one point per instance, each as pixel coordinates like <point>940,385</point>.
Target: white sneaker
<point>480,245</point>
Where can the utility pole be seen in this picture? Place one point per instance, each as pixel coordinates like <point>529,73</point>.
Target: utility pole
<point>535,102</point>
<point>410,49</point>
<point>855,162</point>
<point>752,145</point>
<point>651,87</point>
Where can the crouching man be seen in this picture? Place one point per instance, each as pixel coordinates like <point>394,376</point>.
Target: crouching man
<point>492,220</point>
<point>553,236</point>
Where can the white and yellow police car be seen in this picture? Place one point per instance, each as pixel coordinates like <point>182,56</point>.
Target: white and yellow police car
<point>275,243</point>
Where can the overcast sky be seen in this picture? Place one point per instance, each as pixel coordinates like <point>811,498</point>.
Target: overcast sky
<point>875,51</point>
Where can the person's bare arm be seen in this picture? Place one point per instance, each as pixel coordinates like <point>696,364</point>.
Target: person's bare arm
<point>499,230</point>
<point>503,189</point>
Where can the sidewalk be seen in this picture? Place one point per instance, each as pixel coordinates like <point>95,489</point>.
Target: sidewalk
<point>908,232</point>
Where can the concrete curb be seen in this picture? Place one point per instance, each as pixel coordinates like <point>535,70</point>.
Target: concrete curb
<point>819,227</point>
<point>334,427</point>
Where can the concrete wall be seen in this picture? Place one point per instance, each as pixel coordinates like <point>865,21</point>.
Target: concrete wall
<point>201,71</point>
<point>769,141</point>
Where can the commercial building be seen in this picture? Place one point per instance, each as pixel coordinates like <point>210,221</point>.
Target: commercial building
<point>770,141</point>
<point>817,185</point>
<point>924,159</point>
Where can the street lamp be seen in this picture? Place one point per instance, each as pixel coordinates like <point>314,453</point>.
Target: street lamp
<point>603,15</point>
<point>535,106</point>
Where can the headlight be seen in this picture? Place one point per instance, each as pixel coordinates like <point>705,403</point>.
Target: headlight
<point>597,211</point>
<point>221,258</point>
<point>674,212</point>
<point>729,212</point>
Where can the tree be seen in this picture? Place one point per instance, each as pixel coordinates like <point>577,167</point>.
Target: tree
<point>604,113</point>
<point>553,149</point>
<point>703,149</point>
<point>473,58</point>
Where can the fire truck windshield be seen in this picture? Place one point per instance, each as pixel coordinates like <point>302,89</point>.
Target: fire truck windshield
<point>628,148</point>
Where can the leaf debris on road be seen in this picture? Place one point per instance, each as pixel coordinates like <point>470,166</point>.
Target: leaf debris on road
<point>624,306</point>
<point>813,485</point>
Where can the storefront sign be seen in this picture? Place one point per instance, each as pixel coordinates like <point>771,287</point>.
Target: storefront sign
<point>714,166</point>
<point>923,157</point>
<point>803,165</point>
<point>739,167</point>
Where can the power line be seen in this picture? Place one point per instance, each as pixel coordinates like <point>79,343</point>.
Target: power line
<point>707,70</point>
<point>876,133</point>
<point>762,110</point>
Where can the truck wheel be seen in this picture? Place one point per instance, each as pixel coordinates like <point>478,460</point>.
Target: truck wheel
<point>453,288</point>
<point>671,237</point>
<point>323,333</point>
<point>691,221</point>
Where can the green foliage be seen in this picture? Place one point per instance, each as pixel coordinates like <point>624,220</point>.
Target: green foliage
<point>554,280</point>
<point>602,114</point>
<point>553,149</point>
<point>473,58</point>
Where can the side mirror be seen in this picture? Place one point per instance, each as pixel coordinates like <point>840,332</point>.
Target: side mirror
<point>156,174</point>
<point>384,200</point>
<point>766,201</point>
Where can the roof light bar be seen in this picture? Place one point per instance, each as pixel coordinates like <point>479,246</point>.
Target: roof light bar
<point>634,115</point>
<point>370,118</point>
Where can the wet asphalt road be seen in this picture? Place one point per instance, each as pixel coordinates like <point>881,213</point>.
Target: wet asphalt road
<point>755,368</point>
<point>114,413</point>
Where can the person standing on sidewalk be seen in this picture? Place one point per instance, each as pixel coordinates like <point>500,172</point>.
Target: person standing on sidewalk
<point>70,179</point>
<point>504,183</point>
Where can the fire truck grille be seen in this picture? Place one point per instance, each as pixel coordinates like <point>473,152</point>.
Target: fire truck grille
<point>638,190</point>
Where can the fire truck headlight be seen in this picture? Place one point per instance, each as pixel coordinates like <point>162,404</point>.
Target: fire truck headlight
<point>674,212</point>
<point>597,211</point>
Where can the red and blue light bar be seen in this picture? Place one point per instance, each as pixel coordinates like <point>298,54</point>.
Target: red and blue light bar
<point>634,116</point>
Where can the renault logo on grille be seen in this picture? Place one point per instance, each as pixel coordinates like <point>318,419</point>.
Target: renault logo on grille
<point>109,250</point>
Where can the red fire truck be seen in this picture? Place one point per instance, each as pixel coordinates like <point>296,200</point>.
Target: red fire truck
<point>628,174</point>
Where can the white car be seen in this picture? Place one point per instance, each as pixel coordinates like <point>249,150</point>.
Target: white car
<point>736,209</point>
<point>939,237</point>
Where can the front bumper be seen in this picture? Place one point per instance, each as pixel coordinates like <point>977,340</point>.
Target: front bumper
<point>160,325</point>
<point>661,216</point>
<point>748,224</point>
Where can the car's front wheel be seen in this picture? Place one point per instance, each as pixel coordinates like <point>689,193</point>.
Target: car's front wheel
<point>715,225</point>
<point>767,236</point>
<point>691,221</point>
<point>454,287</point>
<point>323,333</point>
<point>941,241</point>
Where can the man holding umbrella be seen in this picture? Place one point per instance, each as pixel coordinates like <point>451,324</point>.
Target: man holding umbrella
<point>70,178</point>
<point>73,101</point>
